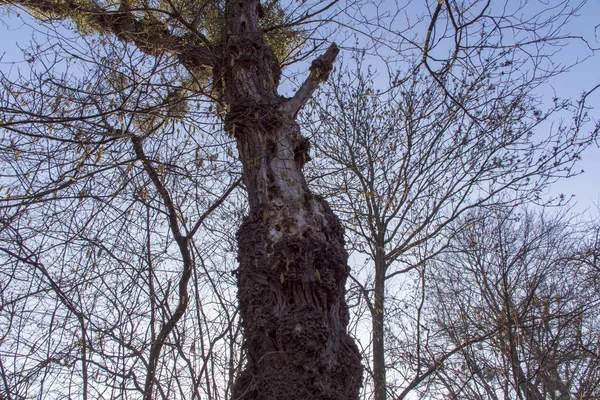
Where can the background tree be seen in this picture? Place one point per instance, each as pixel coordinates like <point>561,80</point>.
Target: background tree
<point>93,279</point>
<point>524,304</point>
<point>404,164</point>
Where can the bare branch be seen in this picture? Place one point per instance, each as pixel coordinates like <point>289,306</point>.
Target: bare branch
<point>319,72</point>
<point>183,243</point>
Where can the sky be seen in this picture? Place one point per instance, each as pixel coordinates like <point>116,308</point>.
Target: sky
<point>584,188</point>
<point>582,78</point>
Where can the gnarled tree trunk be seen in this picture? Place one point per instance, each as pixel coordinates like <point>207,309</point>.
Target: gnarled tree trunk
<point>293,265</point>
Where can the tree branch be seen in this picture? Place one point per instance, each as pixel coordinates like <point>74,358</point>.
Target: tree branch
<point>213,207</point>
<point>437,364</point>
<point>188,265</point>
<point>319,72</point>
<point>148,34</point>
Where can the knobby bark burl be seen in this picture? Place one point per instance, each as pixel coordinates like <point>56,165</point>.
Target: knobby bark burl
<point>293,265</point>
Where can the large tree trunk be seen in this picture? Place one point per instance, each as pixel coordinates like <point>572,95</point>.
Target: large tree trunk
<point>293,265</point>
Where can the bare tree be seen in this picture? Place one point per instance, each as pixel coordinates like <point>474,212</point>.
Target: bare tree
<point>401,164</point>
<point>94,282</point>
<point>518,283</point>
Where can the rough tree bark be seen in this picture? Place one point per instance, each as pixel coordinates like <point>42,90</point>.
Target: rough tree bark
<point>293,265</point>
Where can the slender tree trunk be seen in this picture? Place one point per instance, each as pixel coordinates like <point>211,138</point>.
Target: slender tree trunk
<point>293,265</point>
<point>377,325</point>
<point>523,386</point>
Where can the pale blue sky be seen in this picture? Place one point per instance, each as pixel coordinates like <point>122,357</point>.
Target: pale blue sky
<point>583,77</point>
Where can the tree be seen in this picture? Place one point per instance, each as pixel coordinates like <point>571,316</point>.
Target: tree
<point>93,279</point>
<point>524,306</point>
<point>404,163</point>
<point>293,264</point>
